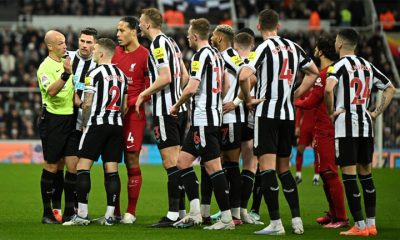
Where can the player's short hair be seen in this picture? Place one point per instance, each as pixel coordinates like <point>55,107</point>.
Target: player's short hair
<point>133,22</point>
<point>326,44</point>
<point>246,30</point>
<point>154,15</point>
<point>268,20</point>
<point>107,44</point>
<point>349,36</point>
<point>244,39</point>
<point>90,31</point>
<point>226,30</point>
<point>201,26</point>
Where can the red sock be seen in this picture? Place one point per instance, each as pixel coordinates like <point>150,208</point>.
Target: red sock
<point>299,161</point>
<point>134,185</point>
<point>328,196</point>
<point>316,162</point>
<point>336,191</point>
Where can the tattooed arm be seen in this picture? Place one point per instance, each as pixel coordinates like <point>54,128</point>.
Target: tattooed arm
<point>86,107</point>
<point>385,100</point>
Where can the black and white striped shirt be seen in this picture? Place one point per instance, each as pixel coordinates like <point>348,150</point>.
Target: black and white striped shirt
<point>276,64</point>
<point>355,77</point>
<point>109,85</point>
<point>163,53</point>
<point>80,67</point>
<point>207,66</point>
<point>233,64</point>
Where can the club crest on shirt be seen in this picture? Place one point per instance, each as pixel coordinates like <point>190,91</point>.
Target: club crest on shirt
<point>132,67</point>
<point>318,82</point>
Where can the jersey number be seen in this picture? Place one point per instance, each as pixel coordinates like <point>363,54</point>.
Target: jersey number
<point>356,81</point>
<point>115,93</point>
<point>219,81</point>
<point>286,72</point>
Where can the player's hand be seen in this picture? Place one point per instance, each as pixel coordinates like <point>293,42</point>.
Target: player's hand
<point>373,115</point>
<point>174,110</point>
<point>253,102</point>
<point>139,102</point>
<point>67,65</point>
<point>227,107</point>
<point>334,115</point>
<point>297,132</point>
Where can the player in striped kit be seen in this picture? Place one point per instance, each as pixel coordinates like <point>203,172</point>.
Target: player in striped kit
<point>354,78</point>
<point>205,87</point>
<point>276,64</point>
<point>165,74</point>
<point>103,106</point>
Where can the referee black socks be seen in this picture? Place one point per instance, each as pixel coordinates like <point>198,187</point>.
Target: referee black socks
<point>58,186</point>
<point>70,193</point>
<point>46,187</point>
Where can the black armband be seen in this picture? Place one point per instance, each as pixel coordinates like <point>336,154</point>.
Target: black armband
<point>65,76</point>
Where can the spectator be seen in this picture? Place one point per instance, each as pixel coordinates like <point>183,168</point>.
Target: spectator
<point>174,17</point>
<point>387,19</point>
<point>7,61</point>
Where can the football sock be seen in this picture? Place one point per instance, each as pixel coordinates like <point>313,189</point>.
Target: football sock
<point>46,187</point>
<point>182,206</point>
<point>83,185</point>
<point>189,179</point>
<point>270,190</point>
<point>206,187</point>
<point>70,193</point>
<point>353,196</point>
<point>328,196</point>
<point>299,161</point>
<point>221,190</point>
<point>109,212</point>
<point>257,193</point>
<point>336,193</point>
<point>58,186</point>
<point>205,210</point>
<point>370,222</point>
<point>247,187</point>
<point>113,187</point>
<point>369,194</point>
<point>134,185</point>
<point>173,189</point>
<point>289,187</point>
<point>226,216</point>
<point>316,164</point>
<point>233,176</point>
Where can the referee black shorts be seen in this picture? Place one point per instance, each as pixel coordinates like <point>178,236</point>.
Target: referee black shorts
<point>105,140</point>
<point>169,130</point>
<point>55,131</point>
<point>72,148</point>
<point>353,150</point>
<point>203,141</point>
<point>273,136</point>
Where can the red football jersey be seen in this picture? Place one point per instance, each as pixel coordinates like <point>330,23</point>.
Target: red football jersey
<point>315,99</point>
<point>134,66</point>
<point>305,118</point>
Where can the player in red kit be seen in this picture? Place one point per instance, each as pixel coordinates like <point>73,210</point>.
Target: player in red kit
<point>305,122</point>
<point>131,58</point>
<point>324,136</point>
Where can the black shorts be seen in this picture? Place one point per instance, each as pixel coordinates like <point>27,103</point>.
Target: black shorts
<point>350,151</point>
<point>168,131</point>
<point>55,131</point>
<point>231,136</point>
<point>273,136</point>
<point>105,140</point>
<point>203,141</point>
<point>182,123</point>
<point>72,148</point>
<point>247,132</point>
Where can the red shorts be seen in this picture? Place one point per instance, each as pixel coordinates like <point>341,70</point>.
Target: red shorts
<point>306,136</point>
<point>134,130</point>
<point>325,146</point>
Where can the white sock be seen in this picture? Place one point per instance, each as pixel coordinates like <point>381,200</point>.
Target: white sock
<point>82,210</point>
<point>316,176</point>
<point>360,224</point>
<point>226,216</point>
<point>298,174</point>
<point>370,222</point>
<point>243,211</point>
<point>173,215</point>
<point>235,213</point>
<point>182,213</point>
<point>205,210</point>
<point>110,212</point>
<point>276,222</point>
<point>195,205</point>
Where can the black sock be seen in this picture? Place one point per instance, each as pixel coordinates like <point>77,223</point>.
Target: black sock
<point>232,170</point>
<point>289,188</point>
<point>83,186</point>
<point>70,193</point>
<point>182,205</point>
<point>113,188</point>
<point>190,182</point>
<point>206,187</point>
<point>257,194</point>
<point>173,189</point>
<point>270,190</point>
<point>46,187</point>
<point>247,187</point>
<point>221,191</point>
<point>353,196</point>
<point>58,186</point>
<point>369,193</point>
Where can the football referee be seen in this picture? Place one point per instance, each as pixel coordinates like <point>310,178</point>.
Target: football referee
<point>56,122</point>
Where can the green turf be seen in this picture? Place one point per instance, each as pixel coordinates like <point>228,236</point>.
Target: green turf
<point>20,209</point>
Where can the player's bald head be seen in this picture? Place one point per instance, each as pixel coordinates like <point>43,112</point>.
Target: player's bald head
<point>52,36</point>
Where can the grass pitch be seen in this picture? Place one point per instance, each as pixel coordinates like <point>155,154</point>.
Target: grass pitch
<point>20,209</point>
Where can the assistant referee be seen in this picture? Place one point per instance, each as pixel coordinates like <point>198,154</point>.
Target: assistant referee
<point>56,122</point>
